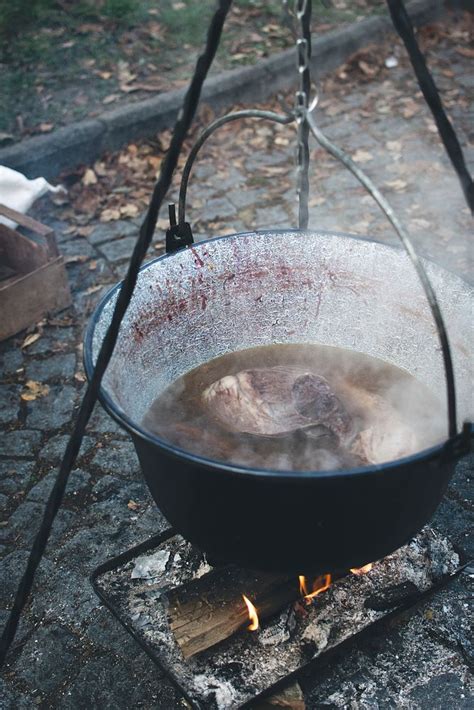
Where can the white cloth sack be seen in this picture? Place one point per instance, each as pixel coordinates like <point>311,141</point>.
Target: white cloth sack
<point>19,193</point>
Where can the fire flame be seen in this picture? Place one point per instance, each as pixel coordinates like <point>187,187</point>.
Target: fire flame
<point>320,585</point>
<point>253,616</point>
<point>359,571</point>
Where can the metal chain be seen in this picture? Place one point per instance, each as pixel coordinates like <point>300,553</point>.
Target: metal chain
<point>302,12</point>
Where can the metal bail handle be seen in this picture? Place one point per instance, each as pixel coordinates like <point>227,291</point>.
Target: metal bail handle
<point>178,236</point>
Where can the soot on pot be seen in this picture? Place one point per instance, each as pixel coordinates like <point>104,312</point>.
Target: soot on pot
<point>298,407</point>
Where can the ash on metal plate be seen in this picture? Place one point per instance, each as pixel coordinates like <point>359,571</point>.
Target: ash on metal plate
<point>138,587</point>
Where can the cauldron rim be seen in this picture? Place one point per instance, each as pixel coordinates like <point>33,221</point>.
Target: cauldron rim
<point>222,466</point>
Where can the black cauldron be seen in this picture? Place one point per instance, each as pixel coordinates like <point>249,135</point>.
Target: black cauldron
<point>265,287</point>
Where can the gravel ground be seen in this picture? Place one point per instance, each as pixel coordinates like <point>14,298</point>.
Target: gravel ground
<point>69,651</point>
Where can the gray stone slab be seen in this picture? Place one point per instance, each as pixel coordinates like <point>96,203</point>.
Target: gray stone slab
<point>108,231</point>
<point>109,682</point>
<point>53,340</point>
<point>119,249</point>
<point>78,482</point>
<point>51,368</point>
<point>218,208</point>
<point>46,657</point>
<point>66,597</point>
<point>9,403</point>
<point>54,410</point>
<point>77,246</point>
<point>22,442</point>
<point>14,475</point>
<point>103,423</point>
<point>54,449</point>
<point>274,216</point>
<point>10,361</point>
<point>11,570</point>
<point>117,458</point>
<point>24,523</point>
<point>246,198</point>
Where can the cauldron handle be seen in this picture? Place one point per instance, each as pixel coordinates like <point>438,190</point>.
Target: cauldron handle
<point>207,132</point>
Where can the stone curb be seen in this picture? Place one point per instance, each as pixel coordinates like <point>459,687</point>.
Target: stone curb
<point>84,141</point>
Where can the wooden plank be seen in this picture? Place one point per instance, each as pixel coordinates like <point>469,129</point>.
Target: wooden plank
<point>25,221</point>
<point>20,253</point>
<point>32,296</point>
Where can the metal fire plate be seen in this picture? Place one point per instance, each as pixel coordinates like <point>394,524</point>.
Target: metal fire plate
<point>247,665</point>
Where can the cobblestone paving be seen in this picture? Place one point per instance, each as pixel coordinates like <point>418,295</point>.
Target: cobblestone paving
<point>70,652</point>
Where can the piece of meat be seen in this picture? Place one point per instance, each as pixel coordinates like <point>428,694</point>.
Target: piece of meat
<point>275,401</point>
<point>385,436</point>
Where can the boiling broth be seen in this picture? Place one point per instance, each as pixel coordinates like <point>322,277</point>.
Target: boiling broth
<point>394,415</point>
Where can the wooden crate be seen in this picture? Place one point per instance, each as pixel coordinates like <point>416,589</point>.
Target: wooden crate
<point>33,280</point>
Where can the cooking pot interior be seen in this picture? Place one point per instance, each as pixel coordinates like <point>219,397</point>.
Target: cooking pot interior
<point>266,287</point>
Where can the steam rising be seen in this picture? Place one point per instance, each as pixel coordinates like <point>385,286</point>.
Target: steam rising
<point>392,415</point>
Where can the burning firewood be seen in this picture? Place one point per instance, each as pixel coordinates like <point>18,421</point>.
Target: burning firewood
<point>208,610</point>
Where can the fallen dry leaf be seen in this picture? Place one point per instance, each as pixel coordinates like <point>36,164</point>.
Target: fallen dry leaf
<point>410,108</point>
<point>362,156</point>
<point>80,377</point>
<point>33,390</point>
<point>420,223</point>
<point>129,210</point>
<point>367,68</point>
<point>93,265</point>
<point>84,231</point>
<point>397,184</point>
<point>466,52</point>
<point>110,99</point>
<point>394,146</point>
<point>89,177</point>
<point>30,339</point>
<point>132,505</point>
<point>110,215</point>
<point>93,289</point>
<point>316,201</point>
<point>76,259</point>
<point>46,127</point>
